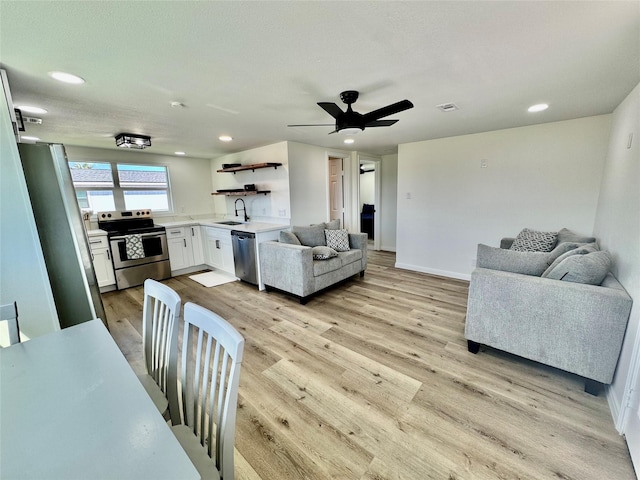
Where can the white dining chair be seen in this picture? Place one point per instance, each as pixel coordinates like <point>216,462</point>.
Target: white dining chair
<point>9,314</point>
<point>209,376</point>
<point>160,320</point>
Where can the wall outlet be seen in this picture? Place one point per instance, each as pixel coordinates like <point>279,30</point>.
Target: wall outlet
<point>408,196</point>
<point>264,211</point>
<point>474,262</point>
<point>282,212</point>
<point>484,163</point>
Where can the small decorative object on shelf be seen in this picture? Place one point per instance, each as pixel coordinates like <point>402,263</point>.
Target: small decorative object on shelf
<point>252,167</point>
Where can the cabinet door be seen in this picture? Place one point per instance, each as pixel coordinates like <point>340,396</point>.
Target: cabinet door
<point>227,257</point>
<point>214,251</point>
<point>103,267</point>
<point>178,253</point>
<point>196,244</point>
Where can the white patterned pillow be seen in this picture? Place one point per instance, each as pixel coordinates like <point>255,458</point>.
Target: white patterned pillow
<point>337,239</point>
<point>534,241</point>
<point>323,253</point>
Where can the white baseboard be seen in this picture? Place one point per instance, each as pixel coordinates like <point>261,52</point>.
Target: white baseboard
<point>387,248</point>
<point>433,271</point>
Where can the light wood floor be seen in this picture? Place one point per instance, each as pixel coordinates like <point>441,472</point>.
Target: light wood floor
<point>372,380</point>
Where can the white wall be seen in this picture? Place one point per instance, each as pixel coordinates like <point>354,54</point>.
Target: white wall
<point>23,274</point>
<point>543,177</point>
<point>367,188</point>
<point>617,224</point>
<point>308,183</point>
<point>389,202</point>
<point>190,178</point>
<point>273,207</point>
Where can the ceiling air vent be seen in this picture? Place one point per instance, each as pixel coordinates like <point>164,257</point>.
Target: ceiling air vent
<point>447,107</point>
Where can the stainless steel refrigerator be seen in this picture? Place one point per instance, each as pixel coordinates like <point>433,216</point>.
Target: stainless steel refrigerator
<point>62,235</point>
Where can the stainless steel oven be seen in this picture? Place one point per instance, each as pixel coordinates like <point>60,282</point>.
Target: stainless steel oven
<point>154,263</point>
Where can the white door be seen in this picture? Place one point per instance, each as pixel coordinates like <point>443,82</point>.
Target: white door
<point>631,429</point>
<point>336,198</point>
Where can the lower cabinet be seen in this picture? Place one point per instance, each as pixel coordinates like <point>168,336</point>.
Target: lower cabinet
<point>185,247</point>
<point>218,249</point>
<point>102,264</point>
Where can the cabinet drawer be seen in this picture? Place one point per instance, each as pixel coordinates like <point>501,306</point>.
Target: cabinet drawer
<point>175,232</point>
<point>98,242</point>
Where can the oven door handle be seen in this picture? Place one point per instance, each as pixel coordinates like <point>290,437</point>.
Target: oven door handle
<point>151,234</point>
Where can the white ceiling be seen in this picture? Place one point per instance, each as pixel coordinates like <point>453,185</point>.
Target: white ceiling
<point>247,69</point>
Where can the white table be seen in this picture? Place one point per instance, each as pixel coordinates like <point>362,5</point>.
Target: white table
<point>72,408</point>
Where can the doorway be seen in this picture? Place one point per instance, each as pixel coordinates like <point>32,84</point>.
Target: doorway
<point>336,190</point>
<point>369,200</point>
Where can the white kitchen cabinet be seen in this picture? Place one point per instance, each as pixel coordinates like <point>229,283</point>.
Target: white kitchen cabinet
<point>218,248</point>
<point>196,244</point>
<point>185,247</point>
<point>101,255</point>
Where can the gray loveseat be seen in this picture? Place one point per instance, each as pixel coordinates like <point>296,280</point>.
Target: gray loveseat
<point>289,265</point>
<point>576,327</point>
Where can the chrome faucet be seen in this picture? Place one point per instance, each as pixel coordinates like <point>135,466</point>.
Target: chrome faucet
<point>244,209</point>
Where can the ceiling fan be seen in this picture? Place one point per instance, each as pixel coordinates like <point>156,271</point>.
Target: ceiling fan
<point>354,120</point>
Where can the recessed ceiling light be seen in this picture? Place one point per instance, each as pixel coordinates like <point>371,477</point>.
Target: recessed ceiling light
<point>349,140</point>
<point>225,138</point>
<point>30,109</point>
<point>538,107</point>
<point>180,153</point>
<point>177,104</point>
<point>67,77</point>
<point>28,138</point>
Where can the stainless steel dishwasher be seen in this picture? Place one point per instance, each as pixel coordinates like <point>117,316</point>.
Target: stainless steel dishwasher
<point>244,255</point>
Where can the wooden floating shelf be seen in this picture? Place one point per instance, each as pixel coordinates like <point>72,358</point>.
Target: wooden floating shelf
<point>252,167</point>
<point>243,193</point>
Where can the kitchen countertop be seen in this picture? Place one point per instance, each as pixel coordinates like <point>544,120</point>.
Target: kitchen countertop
<point>251,227</point>
<point>96,233</point>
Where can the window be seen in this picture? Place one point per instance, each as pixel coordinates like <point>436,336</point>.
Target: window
<point>102,186</point>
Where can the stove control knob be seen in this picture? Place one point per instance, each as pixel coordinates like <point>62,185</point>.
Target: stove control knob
<point>108,215</point>
<point>137,213</point>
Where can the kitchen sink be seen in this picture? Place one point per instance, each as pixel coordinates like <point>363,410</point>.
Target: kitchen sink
<point>229,222</point>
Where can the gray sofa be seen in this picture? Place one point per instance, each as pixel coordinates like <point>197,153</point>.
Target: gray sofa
<point>291,267</point>
<point>573,326</point>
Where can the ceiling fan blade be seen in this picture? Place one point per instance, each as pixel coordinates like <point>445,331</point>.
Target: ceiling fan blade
<point>381,123</point>
<point>388,110</point>
<point>315,125</point>
<point>331,108</point>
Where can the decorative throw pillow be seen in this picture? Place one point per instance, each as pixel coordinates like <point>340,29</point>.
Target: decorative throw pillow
<point>337,239</point>
<point>583,250</point>
<point>290,238</point>
<point>561,249</point>
<point>534,241</point>
<point>323,253</point>
<point>526,263</point>
<point>591,268</point>
<point>566,235</point>
<point>311,236</point>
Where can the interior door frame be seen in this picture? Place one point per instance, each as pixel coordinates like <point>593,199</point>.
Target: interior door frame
<point>346,186</point>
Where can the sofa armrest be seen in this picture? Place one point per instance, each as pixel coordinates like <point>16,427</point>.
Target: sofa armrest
<point>506,242</point>
<point>287,267</point>
<point>576,327</point>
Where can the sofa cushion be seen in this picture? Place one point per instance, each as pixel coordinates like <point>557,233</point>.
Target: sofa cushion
<point>323,253</point>
<point>311,236</point>
<point>526,263</point>
<point>591,268</point>
<point>337,239</point>
<point>582,250</point>
<point>566,235</point>
<point>534,241</point>
<point>321,267</point>
<point>350,256</point>
<point>333,224</point>
<point>289,238</point>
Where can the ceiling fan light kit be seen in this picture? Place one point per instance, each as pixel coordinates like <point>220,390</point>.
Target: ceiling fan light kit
<point>353,122</point>
<point>132,140</point>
